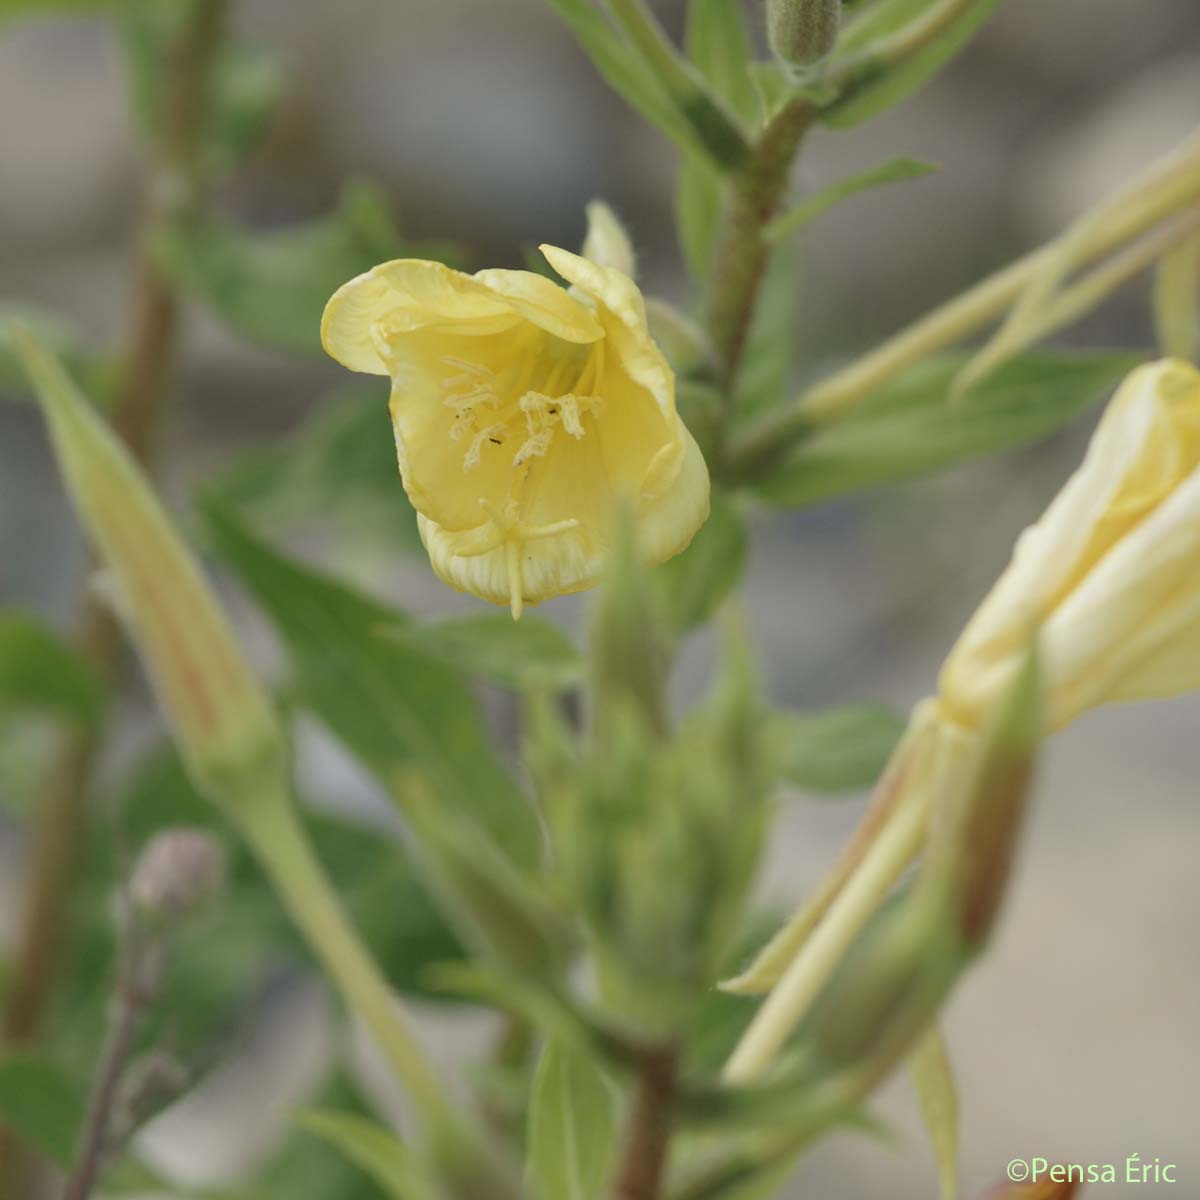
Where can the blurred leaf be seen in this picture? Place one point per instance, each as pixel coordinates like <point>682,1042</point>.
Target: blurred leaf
<point>40,1105</point>
<point>766,371</point>
<point>699,204</point>
<point>40,672</point>
<point>697,581</point>
<point>572,1126</point>
<point>375,1149</point>
<point>718,44</point>
<point>249,84</point>
<point>340,466</point>
<point>519,654</point>
<point>934,1080</point>
<point>893,171</point>
<point>271,286</point>
<point>839,750</point>
<point>624,70</point>
<point>11,10</point>
<point>246,82</point>
<point>879,19</point>
<point>890,84</point>
<point>908,428</point>
<point>94,371</point>
<point>1177,301</point>
<point>393,706</point>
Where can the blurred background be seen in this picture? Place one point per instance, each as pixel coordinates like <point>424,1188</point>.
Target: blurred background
<point>1077,1039</point>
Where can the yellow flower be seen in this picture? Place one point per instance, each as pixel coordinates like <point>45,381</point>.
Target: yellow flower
<point>523,414</point>
<point>1111,572</point>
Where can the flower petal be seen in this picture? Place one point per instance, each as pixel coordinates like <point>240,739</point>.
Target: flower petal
<point>407,293</point>
<point>544,304</point>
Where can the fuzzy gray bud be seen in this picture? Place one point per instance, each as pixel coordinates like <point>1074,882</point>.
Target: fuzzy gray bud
<point>177,871</point>
<point>803,32</point>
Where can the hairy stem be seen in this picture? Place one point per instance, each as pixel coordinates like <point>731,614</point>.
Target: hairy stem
<point>648,1140</point>
<point>173,186</point>
<point>755,196</point>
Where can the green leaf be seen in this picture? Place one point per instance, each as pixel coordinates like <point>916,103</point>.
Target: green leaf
<point>41,673</point>
<point>271,287</point>
<point>718,44</point>
<point>893,171</point>
<point>11,10</point>
<point>766,373</point>
<point>908,428</point>
<point>572,1126</point>
<point>521,654</point>
<point>933,1077</point>
<point>699,203</point>
<point>624,70</point>
<point>698,580</point>
<point>94,371</point>
<point>40,1105</point>
<point>393,706</point>
<point>398,1172</point>
<point>839,750</point>
<point>892,83</point>
<point>339,466</point>
<point>246,81</point>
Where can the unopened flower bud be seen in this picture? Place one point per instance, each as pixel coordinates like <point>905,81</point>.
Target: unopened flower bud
<point>176,873</point>
<point>803,32</point>
<point>222,720</point>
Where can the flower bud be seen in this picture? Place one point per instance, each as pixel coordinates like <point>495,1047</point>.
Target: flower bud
<point>222,720</point>
<point>1110,574</point>
<point>178,871</point>
<point>607,244</point>
<point>802,32</point>
<point>978,823</point>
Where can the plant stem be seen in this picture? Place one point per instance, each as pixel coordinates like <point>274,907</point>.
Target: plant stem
<point>648,1140</point>
<point>173,184</point>
<point>130,1003</point>
<point>755,195</point>
<point>283,849</point>
<point>1169,186</point>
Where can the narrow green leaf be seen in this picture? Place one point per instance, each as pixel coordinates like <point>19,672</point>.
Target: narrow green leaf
<point>396,708</point>
<point>933,1077</point>
<point>698,580</point>
<point>572,1126</point>
<point>272,286</point>
<point>878,20</point>
<point>40,673</point>
<point>839,750</point>
<point>699,203</point>
<point>893,171</point>
<point>376,1150</point>
<point>39,1103</point>
<point>519,654</point>
<point>908,428</point>
<point>893,83</point>
<point>717,42</point>
<point>624,70</point>
<point>764,379</point>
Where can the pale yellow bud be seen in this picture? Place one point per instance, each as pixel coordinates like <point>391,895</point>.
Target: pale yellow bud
<point>1111,572</point>
<point>222,720</point>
